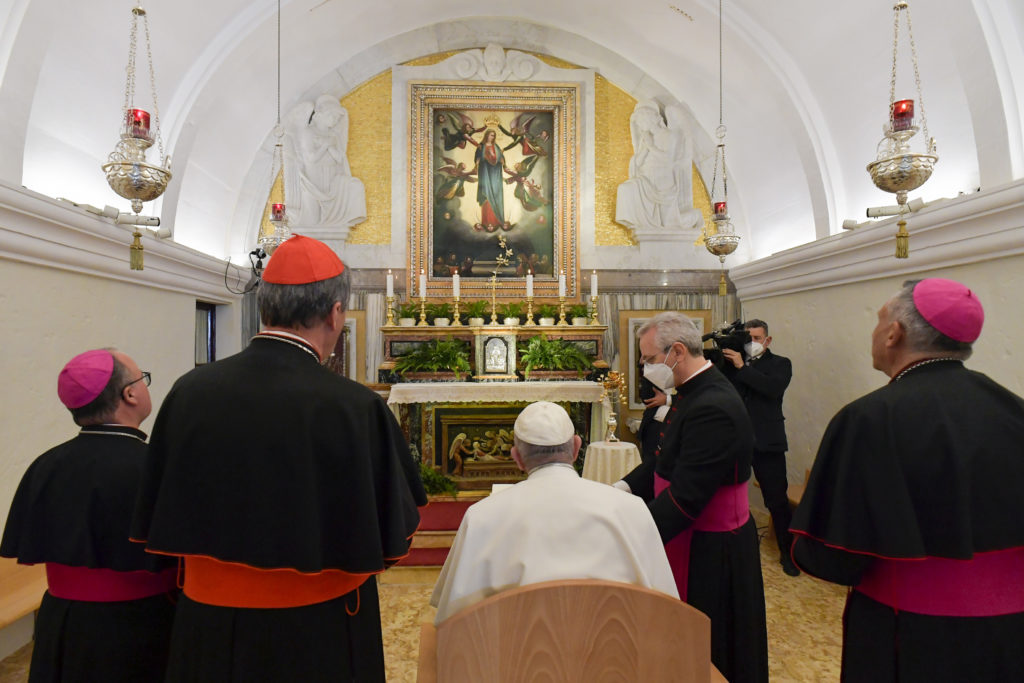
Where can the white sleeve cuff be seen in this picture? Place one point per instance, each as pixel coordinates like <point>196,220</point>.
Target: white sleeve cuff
<point>622,486</point>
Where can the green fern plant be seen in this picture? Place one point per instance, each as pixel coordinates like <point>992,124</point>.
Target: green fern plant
<point>439,310</point>
<point>409,309</point>
<point>434,482</point>
<point>547,311</point>
<point>512,309</point>
<point>579,311</point>
<point>436,355</point>
<point>541,353</point>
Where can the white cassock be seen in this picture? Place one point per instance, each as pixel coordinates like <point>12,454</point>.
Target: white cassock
<point>552,526</point>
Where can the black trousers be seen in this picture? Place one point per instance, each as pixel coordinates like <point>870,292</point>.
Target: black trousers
<point>770,470</point>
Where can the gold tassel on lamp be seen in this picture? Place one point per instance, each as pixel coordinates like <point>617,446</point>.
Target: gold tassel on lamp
<point>722,287</point>
<point>135,258</point>
<point>902,241</point>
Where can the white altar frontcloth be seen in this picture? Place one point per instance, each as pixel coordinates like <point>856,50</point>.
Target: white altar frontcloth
<point>503,392</point>
<point>609,461</point>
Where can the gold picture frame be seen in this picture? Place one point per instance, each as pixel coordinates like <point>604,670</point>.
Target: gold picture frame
<point>494,188</point>
<point>629,352</point>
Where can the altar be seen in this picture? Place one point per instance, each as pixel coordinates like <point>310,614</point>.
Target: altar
<point>465,428</point>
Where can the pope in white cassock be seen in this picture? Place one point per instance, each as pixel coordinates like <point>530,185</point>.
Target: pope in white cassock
<point>552,526</point>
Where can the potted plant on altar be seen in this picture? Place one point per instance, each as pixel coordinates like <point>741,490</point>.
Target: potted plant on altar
<point>510,312</point>
<point>439,314</point>
<point>435,482</point>
<point>547,314</point>
<point>579,314</point>
<point>475,312</point>
<point>435,360</point>
<point>553,359</point>
<point>407,313</point>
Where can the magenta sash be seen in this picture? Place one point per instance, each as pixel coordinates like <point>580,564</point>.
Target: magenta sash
<point>727,510</point>
<point>106,585</point>
<point>989,584</point>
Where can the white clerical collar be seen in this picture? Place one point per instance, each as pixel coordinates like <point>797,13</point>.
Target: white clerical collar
<point>289,337</point>
<point>707,364</point>
<point>551,467</point>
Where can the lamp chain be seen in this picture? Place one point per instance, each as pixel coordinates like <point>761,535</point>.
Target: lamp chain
<point>913,54</point>
<point>129,86</point>
<point>152,83</point>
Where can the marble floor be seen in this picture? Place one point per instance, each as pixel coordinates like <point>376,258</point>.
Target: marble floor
<point>804,629</point>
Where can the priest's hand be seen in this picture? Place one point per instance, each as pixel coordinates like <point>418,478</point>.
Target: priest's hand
<point>657,400</point>
<point>733,357</point>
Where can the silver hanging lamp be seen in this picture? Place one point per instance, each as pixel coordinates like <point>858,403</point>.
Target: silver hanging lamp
<point>269,242</point>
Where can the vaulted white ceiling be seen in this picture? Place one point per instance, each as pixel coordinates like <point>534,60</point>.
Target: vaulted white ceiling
<point>806,91</point>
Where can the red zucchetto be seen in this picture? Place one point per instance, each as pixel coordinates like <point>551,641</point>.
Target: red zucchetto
<point>301,260</point>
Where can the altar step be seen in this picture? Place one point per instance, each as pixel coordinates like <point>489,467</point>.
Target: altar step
<point>439,521</point>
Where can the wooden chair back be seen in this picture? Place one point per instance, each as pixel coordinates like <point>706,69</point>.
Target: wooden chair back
<point>573,631</point>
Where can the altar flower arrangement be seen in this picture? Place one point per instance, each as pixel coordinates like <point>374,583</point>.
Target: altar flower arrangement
<point>436,355</point>
<point>541,353</point>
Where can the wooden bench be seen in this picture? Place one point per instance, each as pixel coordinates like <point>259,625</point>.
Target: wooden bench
<point>796,491</point>
<point>21,589</point>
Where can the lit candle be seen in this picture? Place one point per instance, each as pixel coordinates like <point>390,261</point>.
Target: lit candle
<point>137,123</point>
<point>561,284</point>
<point>902,114</point>
<point>455,284</point>
<point>277,212</point>
<point>423,283</point>
<point>593,284</point>
<point>720,209</point>
<point>529,283</point>
<point>391,283</point>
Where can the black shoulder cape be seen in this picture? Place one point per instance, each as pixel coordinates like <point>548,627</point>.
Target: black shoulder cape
<point>74,504</point>
<point>270,460</point>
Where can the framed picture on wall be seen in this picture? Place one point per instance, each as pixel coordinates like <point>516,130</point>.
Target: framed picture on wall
<point>493,187</point>
<point>629,323</point>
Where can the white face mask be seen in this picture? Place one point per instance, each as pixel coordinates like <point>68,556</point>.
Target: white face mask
<point>753,349</point>
<point>660,374</point>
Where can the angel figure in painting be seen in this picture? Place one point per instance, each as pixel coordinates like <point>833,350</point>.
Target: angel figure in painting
<point>519,130</point>
<point>461,132</point>
<point>455,176</point>
<point>659,193</point>
<point>319,188</point>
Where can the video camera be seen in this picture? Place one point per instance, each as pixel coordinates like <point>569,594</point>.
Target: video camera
<point>732,337</point>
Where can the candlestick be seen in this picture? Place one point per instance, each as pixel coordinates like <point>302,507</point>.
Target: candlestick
<point>455,286</point>
<point>902,114</point>
<point>561,310</point>
<point>529,284</point>
<point>593,312</point>
<point>494,298</point>
<point>456,320</point>
<point>593,284</point>
<point>390,306</point>
<point>423,284</point>
<point>529,309</point>
<point>423,313</point>
<point>561,284</point>
<point>390,285</point>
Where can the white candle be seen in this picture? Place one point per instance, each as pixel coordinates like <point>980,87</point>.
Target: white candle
<point>529,283</point>
<point>561,283</point>
<point>455,284</point>
<point>593,284</point>
<point>391,283</point>
<point>423,283</point>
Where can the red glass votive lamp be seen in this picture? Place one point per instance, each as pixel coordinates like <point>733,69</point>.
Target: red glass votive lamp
<point>902,115</point>
<point>137,124</point>
<point>721,210</point>
<point>277,212</point>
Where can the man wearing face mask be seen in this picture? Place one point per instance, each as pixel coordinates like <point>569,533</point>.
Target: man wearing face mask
<point>761,377</point>
<point>696,489</point>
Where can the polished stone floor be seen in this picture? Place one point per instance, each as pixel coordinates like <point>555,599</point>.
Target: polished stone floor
<point>804,630</point>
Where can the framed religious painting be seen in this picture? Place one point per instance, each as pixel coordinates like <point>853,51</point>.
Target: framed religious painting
<point>493,188</point>
<point>629,323</point>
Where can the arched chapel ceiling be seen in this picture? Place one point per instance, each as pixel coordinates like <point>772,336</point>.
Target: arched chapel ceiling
<point>806,91</point>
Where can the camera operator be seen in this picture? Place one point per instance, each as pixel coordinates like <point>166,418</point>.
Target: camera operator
<point>761,378</point>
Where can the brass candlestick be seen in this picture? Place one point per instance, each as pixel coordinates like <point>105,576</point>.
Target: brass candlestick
<point>494,298</point>
<point>529,311</point>
<point>391,311</point>
<point>593,312</point>
<point>423,313</point>
<point>561,311</point>
<point>614,385</point>
<point>456,321</point>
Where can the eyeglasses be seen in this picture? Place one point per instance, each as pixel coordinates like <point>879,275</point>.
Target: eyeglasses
<point>146,377</point>
<point>645,360</point>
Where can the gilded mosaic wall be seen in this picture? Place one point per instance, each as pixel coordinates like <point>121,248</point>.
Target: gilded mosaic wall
<point>369,155</point>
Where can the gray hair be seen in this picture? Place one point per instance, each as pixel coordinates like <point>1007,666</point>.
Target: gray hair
<point>102,408</point>
<point>672,327</point>
<point>533,455</point>
<point>919,333</point>
<point>302,305</point>
<point>756,322</point>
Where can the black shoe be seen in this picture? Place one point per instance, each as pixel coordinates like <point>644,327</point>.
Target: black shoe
<point>788,567</point>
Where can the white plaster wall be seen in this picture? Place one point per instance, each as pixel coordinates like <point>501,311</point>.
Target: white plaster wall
<point>48,316</point>
<point>826,332</point>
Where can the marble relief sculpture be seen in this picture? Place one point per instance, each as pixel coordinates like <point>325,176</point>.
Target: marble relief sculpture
<point>657,200</point>
<point>322,196</point>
